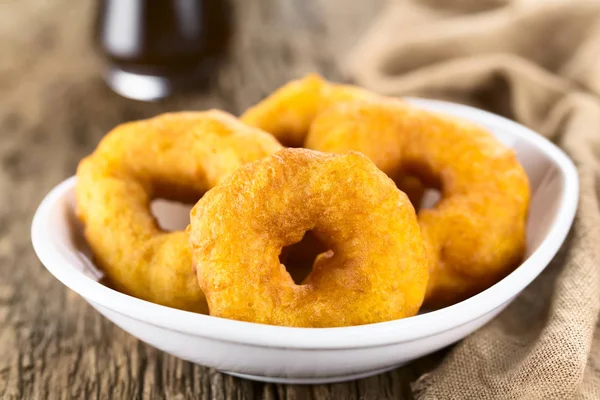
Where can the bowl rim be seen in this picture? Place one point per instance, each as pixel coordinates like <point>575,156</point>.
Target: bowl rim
<point>51,253</point>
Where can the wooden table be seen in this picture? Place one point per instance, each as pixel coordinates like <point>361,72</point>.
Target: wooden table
<point>54,108</point>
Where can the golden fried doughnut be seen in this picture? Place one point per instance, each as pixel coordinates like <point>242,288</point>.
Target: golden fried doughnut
<point>475,235</point>
<point>175,156</point>
<point>375,270</point>
<point>289,112</point>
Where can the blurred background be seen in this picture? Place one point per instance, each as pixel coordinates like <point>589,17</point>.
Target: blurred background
<point>72,70</point>
<point>57,57</point>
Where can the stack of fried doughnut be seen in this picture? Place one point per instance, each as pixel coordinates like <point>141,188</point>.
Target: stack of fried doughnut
<point>475,235</point>
<point>344,200</point>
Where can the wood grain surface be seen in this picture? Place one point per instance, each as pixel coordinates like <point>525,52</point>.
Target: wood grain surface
<point>54,108</point>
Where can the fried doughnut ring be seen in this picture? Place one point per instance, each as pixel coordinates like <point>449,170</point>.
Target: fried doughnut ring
<point>475,235</point>
<point>375,271</point>
<point>176,156</point>
<point>289,112</point>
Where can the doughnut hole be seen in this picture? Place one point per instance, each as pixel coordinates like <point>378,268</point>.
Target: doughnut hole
<point>171,215</point>
<point>431,196</point>
<point>420,196</point>
<point>411,186</point>
<point>298,258</point>
<point>421,185</point>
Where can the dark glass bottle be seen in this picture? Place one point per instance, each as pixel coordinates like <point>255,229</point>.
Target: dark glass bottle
<point>154,47</point>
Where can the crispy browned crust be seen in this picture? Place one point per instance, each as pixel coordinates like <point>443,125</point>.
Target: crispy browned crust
<point>376,271</point>
<point>176,156</point>
<point>476,234</point>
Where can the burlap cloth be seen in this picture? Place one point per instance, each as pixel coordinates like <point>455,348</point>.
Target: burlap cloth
<point>537,62</point>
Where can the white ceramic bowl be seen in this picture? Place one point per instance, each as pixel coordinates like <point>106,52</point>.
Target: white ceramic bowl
<point>303,355</point>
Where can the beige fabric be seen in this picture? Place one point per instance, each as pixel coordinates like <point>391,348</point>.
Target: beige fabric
<point>537,62</point>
